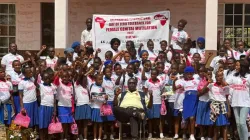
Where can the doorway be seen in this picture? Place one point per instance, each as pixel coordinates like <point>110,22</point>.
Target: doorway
<point>48,24</point>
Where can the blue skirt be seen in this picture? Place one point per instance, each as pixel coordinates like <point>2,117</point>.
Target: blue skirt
<point>190,103</point>
<point>65,114</point>
<point>110,117</point>
<point>9,110</point>
<point>222,119</point>
<point>83,112</point>
<point>32,112</point>
<point>203,113</point>
<point>17,103</point>
<point>154,112</point>
<point>96,117</point>
<point>45,116</point>
<point>176,113</point>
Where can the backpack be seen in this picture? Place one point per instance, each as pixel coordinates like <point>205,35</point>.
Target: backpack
<point>142,95</point>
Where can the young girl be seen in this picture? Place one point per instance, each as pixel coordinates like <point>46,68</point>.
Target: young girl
<point>47,109</point>
<point>16,77</point>
<point>28,99</point>
<point>5,91</point>
<point>151,55</point>
<point>220,110</point>
<point>98,98</point>
<point>51,59</point>
<point>240,98</point>
<point>143,56</point>
<point>146,71</point>
<point>191,99</point>
<point>115,43</point>
<point>179,96</point>
<point>109,87</point>
<point>83,109</point>
<point>203,109</point>
<point>154,116</point>
<point>64,97</point>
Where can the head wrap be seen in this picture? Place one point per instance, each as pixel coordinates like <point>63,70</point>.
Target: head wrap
<point>68,50</point>
<point>142,51</point>
<point>189,69</point>
<point>75,44</point>
<point>201,39</point>
<point>134,61</point>
<point>107,62</point>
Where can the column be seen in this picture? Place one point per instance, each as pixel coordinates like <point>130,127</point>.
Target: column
<point>211,27</point>
<point>61,25</point>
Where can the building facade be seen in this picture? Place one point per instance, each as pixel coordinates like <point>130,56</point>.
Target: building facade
<point>31,23</point>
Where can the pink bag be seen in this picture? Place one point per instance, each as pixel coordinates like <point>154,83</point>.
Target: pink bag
<point>202,83</point>
<point>106,110</point>
<point>55,127</point>
<point>22,120</point>
<point>163,107</point>
<point>74,128</point>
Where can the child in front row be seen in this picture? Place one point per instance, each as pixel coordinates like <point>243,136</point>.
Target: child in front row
<point>64,97</point>
<point>98,98</point>
<point>154,115</point>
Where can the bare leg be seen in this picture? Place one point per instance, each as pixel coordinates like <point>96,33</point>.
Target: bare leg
<point>176,124</point>
<point>192,125</point>
<point>161,125</point>
<point>215,133</point>
<point>224,132</point>
<point>150,126</point>
<point>95,129</point>
<point>85,129</point>
<point>100,130</point>
<point>210,131</point>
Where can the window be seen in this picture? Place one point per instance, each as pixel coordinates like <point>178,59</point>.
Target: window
<point>7,27</point>
<point>234,22</point>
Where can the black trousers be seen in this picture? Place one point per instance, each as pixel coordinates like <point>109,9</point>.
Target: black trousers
<point>125,115</point>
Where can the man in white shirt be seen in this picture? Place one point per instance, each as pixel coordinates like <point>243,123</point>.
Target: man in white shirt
<point>86,34</point>
<point>7,59</point>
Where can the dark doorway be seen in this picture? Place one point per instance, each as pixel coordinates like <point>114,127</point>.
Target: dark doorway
<point>48,23</point>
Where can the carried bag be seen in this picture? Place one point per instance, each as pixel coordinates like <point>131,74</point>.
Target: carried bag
<point>22,120</point>
<point>55,126</point>
<point>163,107</point>
<point>74,128</point>
<point>106,110</point>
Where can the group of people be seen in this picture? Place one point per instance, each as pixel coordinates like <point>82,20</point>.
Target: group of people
<point>172,89</point>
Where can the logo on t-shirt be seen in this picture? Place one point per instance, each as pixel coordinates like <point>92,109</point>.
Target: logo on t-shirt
<point>162,19</point>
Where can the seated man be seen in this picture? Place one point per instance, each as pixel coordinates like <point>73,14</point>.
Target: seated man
<point>131,106</point>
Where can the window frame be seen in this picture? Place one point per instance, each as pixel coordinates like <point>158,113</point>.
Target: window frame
<point>223,26</point>
<point>8,36</point>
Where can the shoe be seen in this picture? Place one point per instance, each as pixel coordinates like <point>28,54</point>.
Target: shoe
<point>191,137</point>
<point>202,138</point>
<point>184,136</point>
<point>105,137</point>
<point>149,135</point>
<point>111,137</point>
<point>176,136</point>
<point>161,135</point>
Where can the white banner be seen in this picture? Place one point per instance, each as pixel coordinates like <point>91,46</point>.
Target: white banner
<point>137,27</point>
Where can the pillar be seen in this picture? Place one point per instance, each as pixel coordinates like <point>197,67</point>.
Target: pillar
<point>61,26</point>
<point>211,27</point>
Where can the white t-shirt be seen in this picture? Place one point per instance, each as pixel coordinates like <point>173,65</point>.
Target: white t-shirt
<point>5,89</point>
<point>214,63</point>
<point>167,67</point>
<point>86,36</point>
<point>217,93</point>
<point>148,75</point>
<point>156,87</point>
<point>82,95</point>
<point>50,62</point>
<point>180,36</point>
<point>98,97</point>
<point>152,56</point>
<point>15,77</point>
<point>163,77</point>
<point>90,82</point>
<point>201,52</point>
<point>239,90</point>
<point>75,55</point>
<point>190,84</point>
<point>8,59</point>
<point>228,74</point>
<point>123,64</point>
<point>204,97</point>
<point>115,53</point>
<point>109,87</point>
<point>47,94</point>
<point>179,95</point>
<point>64,93</point>
<point>28,88</point>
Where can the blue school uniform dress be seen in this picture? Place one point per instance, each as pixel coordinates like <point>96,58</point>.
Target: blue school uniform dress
<point>28,88</point>
<point>15,80</point>
<point>217,96</point>
<point>83,109</point>
<point>109,86</point>
<point>64,97</point>
<point>156,87</point>
<point>190,101</point>
<point>47,92</point>
<point>97,94</point>
<point>5,106</point>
